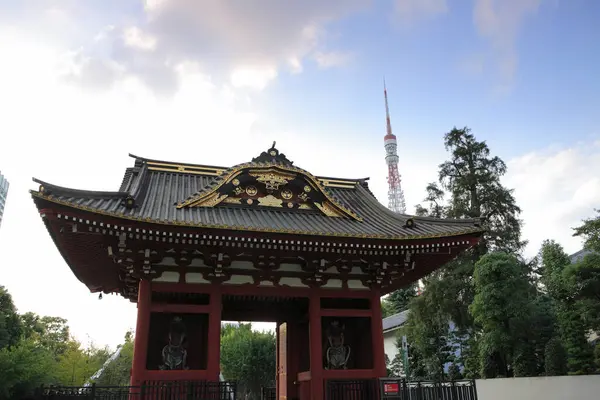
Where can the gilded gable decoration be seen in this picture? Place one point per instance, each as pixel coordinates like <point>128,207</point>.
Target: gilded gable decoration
<point>270,180</point>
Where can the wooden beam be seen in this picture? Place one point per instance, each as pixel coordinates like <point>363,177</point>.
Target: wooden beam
<point>180,308</point>
<point>329,312</point>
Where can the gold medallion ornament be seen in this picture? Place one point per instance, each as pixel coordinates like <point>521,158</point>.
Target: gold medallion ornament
<point>235,182</point>
<point>249,201</point>
<point>287,194</point>
<point>272,178</point>
<point>273,153</point>
<point>290,205</point>
<point>270,201</point>
<point>251,191</point>
<point>303,196</point>
<point>272,181</point>
<point>307,188</point>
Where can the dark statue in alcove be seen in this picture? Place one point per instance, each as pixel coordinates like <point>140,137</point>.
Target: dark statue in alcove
<point>337,353</point>
<point>174,355</point>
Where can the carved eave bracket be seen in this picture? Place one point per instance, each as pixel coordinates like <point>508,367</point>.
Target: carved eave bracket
<point>270,183</point>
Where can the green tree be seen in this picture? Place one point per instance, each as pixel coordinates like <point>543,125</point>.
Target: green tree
<point>541,330</point>
<point>248,357</point>
<point>117,371</point>
<point>10,325</point>
<point>454,373</point>
<point>590,231</point>
<point>23,367</point>
<point>583,280</point>
<point>571,322</point>
<point>435,203</point>
<point>503,308</point>
<point>400,298</point>
<point>468,187</point>
<point>472,177</point>
<point>416,367</point>
<point>77,364</point>
<point>387,308</point>
<point>429,334</point>
<point>555,357</point>
<point>396,367</point>
<point>597,355</point>
<point>51,332</point>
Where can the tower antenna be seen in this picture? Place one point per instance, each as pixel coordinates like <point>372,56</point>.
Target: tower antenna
<point>396,201</point>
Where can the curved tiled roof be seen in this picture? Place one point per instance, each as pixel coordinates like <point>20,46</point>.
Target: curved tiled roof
<point>156,189</point>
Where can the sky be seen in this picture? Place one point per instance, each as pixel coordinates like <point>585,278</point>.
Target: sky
<point>84,83</point>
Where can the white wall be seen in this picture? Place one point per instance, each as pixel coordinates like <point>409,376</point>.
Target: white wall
<point>585,387</point>
<point>389,344</point>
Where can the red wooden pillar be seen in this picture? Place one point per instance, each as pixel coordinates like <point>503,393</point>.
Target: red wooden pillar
<point>278,370</point>
<point>213,367</point>
<point>316,347</point>
<point>140,346</point>
<point>377,335</point>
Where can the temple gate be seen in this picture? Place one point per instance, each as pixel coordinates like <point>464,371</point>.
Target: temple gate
<point>261,241</point>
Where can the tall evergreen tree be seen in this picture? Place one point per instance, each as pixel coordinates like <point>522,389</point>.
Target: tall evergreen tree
<point>399,299</point>
<point>468,187</point>
<point>428,333</point>
<point>472,178</point>
<point>584,276</point>
<point>572,327</point>
<point>502,308</point>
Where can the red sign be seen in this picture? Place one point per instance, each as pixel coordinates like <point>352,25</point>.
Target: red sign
<point>391,388</point>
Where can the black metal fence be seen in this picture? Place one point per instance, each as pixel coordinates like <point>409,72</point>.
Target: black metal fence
<point>364,389</point>
<point>357,389</point>
<point>268,393</point>
<point>154,390</point>
<point>400,389</point>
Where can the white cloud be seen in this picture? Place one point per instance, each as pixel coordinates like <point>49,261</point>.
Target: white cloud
<point>253,77</point>
<point>500,21</point>
<point>226,35</point>
<point>556,189</point>
<point>332,59</point>
<point>136,38</point>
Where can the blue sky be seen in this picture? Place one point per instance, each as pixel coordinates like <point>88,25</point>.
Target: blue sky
<point>553,96</point>
<point>84,83</point>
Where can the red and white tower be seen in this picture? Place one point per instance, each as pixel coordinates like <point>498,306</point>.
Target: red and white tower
<point>396,201</point>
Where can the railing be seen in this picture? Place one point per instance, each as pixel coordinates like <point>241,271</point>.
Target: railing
<point>357,389</point>
<point>268,393</point>
<point>400,389</point>
<point>153,390</point>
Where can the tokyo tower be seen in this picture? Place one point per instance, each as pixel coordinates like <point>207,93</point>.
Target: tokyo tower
<point>396,201</point>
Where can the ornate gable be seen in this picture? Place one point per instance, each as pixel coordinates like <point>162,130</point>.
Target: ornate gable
<point>270,180</point>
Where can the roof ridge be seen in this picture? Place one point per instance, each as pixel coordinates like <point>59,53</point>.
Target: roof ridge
<point>398,313</point>
<point>175,163</point>
<point>61,190</point>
